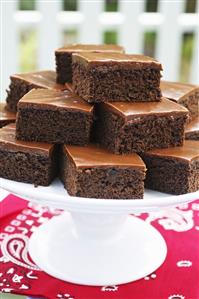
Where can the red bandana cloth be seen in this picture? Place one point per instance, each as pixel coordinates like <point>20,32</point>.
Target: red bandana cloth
<point>177,278</point>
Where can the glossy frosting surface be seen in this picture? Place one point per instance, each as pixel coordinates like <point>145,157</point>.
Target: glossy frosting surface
<point>44,79</point>
<point>176,91</point>
<point>136,60</point>
<point>5,114</point>
<point>189,151</point>
<point>193,126</point>
<point>91,48</point>
<point>130,110</point>
<point>94,156</point>
<point>54,98</point>
<point>8,141</point>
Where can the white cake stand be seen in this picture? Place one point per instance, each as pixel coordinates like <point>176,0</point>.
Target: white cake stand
<point>96,242</point>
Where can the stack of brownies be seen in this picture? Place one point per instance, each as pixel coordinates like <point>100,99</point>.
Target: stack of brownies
<point>104,123</point>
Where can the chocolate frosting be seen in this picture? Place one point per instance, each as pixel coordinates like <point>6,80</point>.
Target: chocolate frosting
<point>132,110</point>
<point>42,98</point>
<point>189,151</point>
<point>177,91</point>
<point>9,142</point>
<point>5,114</point>
<point>43,79</point>
<point>91,48</point>
<point>135,61</point>
<point>95,156</point>
<point>193,126</point>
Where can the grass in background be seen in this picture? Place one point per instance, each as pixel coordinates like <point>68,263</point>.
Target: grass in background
<point>149,43</point>
<point>151,5</point>
<point>69,5</point>
<point>110,37</point>
<point>111,5</point>
<point>69,37</point>
<point>26,4</point>
<point>6,296</point>
<point>186,56</point>
<point>28,50</point>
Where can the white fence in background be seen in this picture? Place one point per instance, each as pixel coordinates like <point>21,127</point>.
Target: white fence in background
<point>91,21</point>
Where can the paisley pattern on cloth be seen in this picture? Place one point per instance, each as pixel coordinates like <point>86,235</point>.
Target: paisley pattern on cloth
<point>19,275</point>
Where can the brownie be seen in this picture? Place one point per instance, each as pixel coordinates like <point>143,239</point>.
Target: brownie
<point>54,116</point>
<point>184,94</point>
<point>6,117</point>
<point>192,129</point>
<point>63,57</point>
<point>173,170</point>
<point>113,77</point>
<point>27,162</point>
<point>23,83</point>
<point>137,127</point>
<point>95,172</point>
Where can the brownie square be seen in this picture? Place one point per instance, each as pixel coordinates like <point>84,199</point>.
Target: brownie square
<point>184,94</point>
<point>173,170</point>
<point>137,127</point>
<point>110,77</point>
<point>192,129</point>
<point>23,83</point>
<point>54,116</point>
<point>26,162</point>
<point>6,117</point>
<point>95,172</point>
<point>63,57</point>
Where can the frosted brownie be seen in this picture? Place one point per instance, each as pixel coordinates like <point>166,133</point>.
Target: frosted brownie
<point>6,117</point>
<point>63,57</point>
<point>173,170</point>
<point>54,116</point>
<point>192,129</point>
<point>95,172</point>
<point>26,162</point>
<point>183,94</point>
<point>22,83</point>
<point>138,127</point>
<point>110,77</point>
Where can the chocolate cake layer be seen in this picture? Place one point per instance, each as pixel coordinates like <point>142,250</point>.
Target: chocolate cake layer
<point>23,83</point>
<point>138,127</point>
<point>95,172</point>
<point>63,58</point>
<point>55,117</point>
<point>113,77</point>
<point>6,117</point>
<point>183,94</point>
<point>192,129</point>
<point>26,162</point>
<point>173,170</point>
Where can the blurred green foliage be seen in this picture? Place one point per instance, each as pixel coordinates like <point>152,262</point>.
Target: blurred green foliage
<point>190,6</point>
<point>151,5</point>
<point>26,4</point>
<point>28,50</point>
<point>149,43</point>
<point>70,5</point>
<point>186,56</point>
<point>110,37</point>
<point>111,5</point>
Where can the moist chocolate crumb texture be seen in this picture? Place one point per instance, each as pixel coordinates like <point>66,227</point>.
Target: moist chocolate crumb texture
<point>63,57</point>
<point>54,117</point>
<point>6,117</point>
<point>23,83</point>
<point>26,162</point>
<point>113,77</point>
<point>192,129</point>
<point>94,172</point>
<point>183,94</point>
<point>138,127</point>
<point>173,170</point>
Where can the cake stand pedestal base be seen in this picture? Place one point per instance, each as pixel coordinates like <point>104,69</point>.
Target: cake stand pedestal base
<point>97,249</point>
